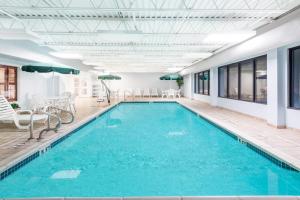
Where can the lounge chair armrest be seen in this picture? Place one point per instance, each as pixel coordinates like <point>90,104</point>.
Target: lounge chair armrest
<point>24,111</point>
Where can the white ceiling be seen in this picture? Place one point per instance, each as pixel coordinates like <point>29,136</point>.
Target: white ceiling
<point>138,35</point>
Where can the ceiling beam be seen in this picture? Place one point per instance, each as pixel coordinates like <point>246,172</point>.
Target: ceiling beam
<point>62,33</point>
<point>144,18</point>
<point>171,44</point>
<point>139,10</point>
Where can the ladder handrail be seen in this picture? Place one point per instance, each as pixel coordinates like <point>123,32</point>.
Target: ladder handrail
<point>107,90</point>
<point>59,121</point>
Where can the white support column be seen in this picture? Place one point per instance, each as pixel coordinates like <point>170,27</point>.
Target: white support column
<point>188,86</point>
<point>214,86</point>
<point>276,88</point>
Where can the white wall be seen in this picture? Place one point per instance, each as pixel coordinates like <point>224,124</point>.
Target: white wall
<point>142,81</point>
<point>273,41</point>
<point>187,86</point>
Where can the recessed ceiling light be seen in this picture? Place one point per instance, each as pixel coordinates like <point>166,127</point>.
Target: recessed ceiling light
<point>66,55</point>
<point>98,68</point>
<point>175,68</point>
<point>94,63</point>
<point>231,37</point>
<point>198,55</point>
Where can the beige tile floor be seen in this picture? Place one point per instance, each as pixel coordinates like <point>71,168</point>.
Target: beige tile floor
<point>282,143</point>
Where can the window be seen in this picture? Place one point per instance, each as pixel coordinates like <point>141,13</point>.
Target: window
<point>205,77</point>
<point>8,82</point>
<point>261,80</point>
<point>222,81</point>
<point>295,77</point>
<point>201,83</point>
<point>196,83</point>
<point>233,71</point>
<point>246,80</point>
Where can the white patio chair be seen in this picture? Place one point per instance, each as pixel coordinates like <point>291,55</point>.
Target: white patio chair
<point>128,93</point>
<point>138,92</point>
<point>146,92</point>
<point>8,114</point>
<point>68,101</point>
<point>38,103</point>
<point>171,93</point>
<point>101,96</point>
<point>154,92</point>
<point>178,93</point>
<point>164,93</point>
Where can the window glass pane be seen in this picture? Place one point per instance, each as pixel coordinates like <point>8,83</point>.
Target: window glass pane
<point>2,74</point>
<point>233,81</point>
<point>247,81</point>
<point>11,75</point>
<point>196,83</point>
<point>201,83</point>
<point>2,92</point>
<point>206,82</point>
<point>295,84</point>
<point>223,81</point>
<point>11,92</point>
<point>261,80</point>
<point>8,86</point>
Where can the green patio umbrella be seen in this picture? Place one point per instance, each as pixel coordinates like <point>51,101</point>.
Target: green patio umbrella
<point>46,68</point>
<point>171,77</point>
<point>109,77</point>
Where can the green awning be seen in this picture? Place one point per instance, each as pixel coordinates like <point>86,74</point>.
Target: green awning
<point>45,68</point>
<point>109,77</point>
<point>171,77</point>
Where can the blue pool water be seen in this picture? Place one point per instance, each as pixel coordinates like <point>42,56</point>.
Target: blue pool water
<point>150,149</point>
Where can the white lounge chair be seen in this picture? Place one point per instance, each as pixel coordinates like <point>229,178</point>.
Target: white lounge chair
<point>146,92</point>
<point>8,114</point>
<point>154,92</point>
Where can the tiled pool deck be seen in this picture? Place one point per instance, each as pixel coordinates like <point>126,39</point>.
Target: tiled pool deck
<point>284,144</point>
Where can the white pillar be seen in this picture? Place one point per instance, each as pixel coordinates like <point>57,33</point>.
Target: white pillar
<point>214,86</point>
<point>276,88</point>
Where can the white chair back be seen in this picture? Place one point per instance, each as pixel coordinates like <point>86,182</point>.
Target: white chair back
<point>37,102</point>
<point>6,111</point>
<point>66,94</point>
<point>154,92</point>
<point>146,92</point>
<point>137,92</point>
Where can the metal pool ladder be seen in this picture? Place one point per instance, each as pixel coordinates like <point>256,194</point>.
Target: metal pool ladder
<point>56,116</point>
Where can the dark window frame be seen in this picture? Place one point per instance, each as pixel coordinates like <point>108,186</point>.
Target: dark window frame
<point>6,80</point>
<point>197,82</point>
<point>254,85</point>
<point>291,78</point>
